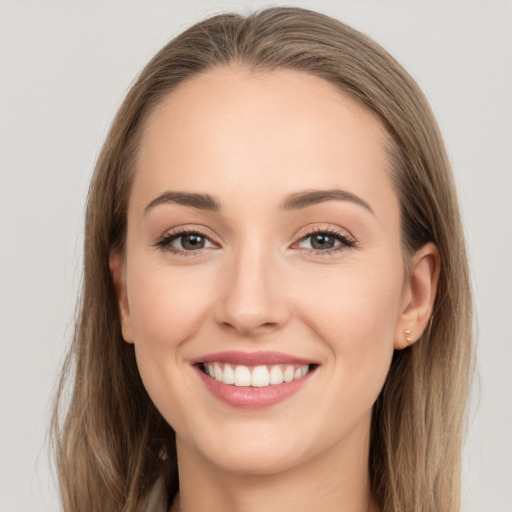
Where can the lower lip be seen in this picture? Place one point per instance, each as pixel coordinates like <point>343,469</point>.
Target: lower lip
<point>247,397</point>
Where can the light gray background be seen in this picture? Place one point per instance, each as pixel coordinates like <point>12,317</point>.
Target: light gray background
<point>64,67</point>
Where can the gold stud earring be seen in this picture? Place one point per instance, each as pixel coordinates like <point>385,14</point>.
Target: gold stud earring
<point>407,336</point>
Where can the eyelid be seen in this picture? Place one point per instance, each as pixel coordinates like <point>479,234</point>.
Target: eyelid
<point>174,237</point>
<point>184,229</point>
<point>164,241</point>
<point>334,231</point>
<point>346,240</point>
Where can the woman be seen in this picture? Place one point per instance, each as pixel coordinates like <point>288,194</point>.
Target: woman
<point>276,310</point>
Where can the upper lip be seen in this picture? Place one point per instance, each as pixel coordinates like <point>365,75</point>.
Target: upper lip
<point>251,358</point>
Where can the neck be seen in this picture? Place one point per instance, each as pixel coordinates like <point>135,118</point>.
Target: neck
<point>335,480</point>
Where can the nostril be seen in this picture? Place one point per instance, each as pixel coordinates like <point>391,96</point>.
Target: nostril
<point>248,328</point>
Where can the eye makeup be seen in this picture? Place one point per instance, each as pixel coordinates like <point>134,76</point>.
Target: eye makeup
<point>331,239</point>
<point>191,242</point>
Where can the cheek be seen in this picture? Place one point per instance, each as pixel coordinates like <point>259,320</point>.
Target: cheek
<point>167,308</point>
<point>166,305</point>
<point>355,305</point>
<point>354,311</point>
<point>356,321</point>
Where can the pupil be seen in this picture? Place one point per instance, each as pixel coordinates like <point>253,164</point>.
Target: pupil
<point>192,242</point>
<point>322,242</point>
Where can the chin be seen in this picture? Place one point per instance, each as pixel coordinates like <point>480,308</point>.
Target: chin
<point>249,449</point>
<point>255,461</point>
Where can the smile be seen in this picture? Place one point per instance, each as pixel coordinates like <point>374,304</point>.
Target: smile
<point>253,380</point>
<point>255,376</point>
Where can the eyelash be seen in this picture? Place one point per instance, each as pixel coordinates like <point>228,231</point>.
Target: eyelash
<point>346,242</point>
<point>164,243</point>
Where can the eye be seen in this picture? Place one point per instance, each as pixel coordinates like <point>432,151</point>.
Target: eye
<point>321,241</point>
<point>190,241</point>
<point>325,241</point>
<point>185,242</point>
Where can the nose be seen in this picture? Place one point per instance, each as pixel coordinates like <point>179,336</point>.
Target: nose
<point>252,298</point>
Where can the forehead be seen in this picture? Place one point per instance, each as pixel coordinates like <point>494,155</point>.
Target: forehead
<point>236,127</point>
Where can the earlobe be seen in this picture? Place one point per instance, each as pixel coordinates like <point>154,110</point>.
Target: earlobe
<point>117,270</point>
<point>419,296</point>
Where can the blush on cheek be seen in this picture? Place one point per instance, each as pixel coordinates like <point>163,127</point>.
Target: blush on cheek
<point>358,320</point>
<point>166,305</point>
<point>161,326</point>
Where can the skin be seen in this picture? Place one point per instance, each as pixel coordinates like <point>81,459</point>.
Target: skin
<point>249,139</point>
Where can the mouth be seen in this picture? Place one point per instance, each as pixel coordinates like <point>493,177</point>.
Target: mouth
<point>255,376</point>
<point>253,380</point>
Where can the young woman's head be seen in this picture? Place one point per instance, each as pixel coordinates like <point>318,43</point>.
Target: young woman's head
<point>274,272</point>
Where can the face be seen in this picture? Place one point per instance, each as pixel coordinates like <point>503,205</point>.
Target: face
<point>263,281</point>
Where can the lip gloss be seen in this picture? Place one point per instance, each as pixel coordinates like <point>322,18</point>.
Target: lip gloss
<point>247,397</point>
<point>252,397</point>
<point>252,358</point>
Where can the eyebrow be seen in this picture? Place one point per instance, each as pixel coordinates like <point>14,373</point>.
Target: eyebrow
<point>294,201</point>
<point>310,197</point>
<point>195,200</point>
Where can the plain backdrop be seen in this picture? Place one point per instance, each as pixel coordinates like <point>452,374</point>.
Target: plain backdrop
<point>64,68</point>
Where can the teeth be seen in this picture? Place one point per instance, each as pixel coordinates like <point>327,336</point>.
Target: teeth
<point>217,372</point>
<point>276,375</point>
<point>242,376</point>
<point>260,377</point>
<point>229,375</point>
<point>288,374</point>
<point>255,376</point>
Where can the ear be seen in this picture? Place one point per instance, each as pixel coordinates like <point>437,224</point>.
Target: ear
<point>118,271</point>
<point>418,296</point>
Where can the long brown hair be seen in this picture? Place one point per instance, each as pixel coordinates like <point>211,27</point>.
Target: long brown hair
<point>112,446</point>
